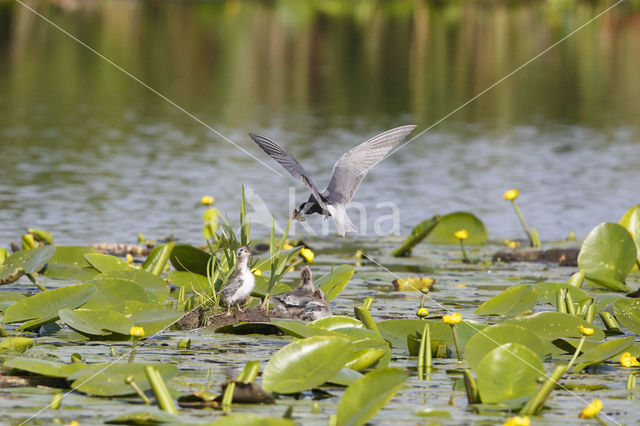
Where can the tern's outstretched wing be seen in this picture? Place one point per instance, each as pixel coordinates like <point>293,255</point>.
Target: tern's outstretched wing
<point>353,166</point>
<point>287,161</point>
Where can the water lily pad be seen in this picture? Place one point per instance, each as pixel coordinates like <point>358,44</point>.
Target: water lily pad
<point>607,255</point>
<point>631,221</point>
<point>191,281</point>
<point>627,311</point>
<point>188,258</point>
<point>396,331</point>
<point>249,328</point>
<point>99,322</point>
<point>45,367</point>
<point>432,412</point>
<point>553,325</point>
<point>306,363</point>
<point>364,358</point>
<point>158,258</point>
<point>443,232</point>
<point>603,352</point>
<point>155,320</point>
<point>109,379</point>
<point>148,281</point>
<point>144,418</point>
<point>508,372</point>
<point>106,262</point>
<point>45,306</point>
<point>513,301</point>
<point>335,281</point>
<point>262,285</point>
<point>335,322</point>
<point>8,298</point>
<point>493,336</point>
<point>367,395</point>
<point>252,420</point>
<point>16,344</point>
<point>345,377</point>
<point>25,262</point>
<point>299,329</point>
<point>69,263</point>
<point>112,291</point>
<point>418,233</point>
<point>547,292</point>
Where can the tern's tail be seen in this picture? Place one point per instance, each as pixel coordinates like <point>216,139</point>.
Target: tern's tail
<point>343,223</point>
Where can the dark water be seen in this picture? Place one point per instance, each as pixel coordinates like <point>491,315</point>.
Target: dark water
<point>91,155</point>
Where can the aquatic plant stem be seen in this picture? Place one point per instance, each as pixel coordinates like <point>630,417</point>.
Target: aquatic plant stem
<point>473,394</point>
<point>465,259</point>
<point>131,382</point>
<point>457,343</point>
<point>535,403</point>
<point>522,221</point>
<point>132,355</point>
<point>575,355</point>
<point>227,398</point>
<point>36,283</point>
<point>165,402</point>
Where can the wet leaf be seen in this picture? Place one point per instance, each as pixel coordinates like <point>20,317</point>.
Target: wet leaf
<point>367,395</point>
<point>106,262</point>
<point>158,258</point>
<point>306,363</point>
<point>98,322</point>
<point>45,306</point>
<point>513,301</point>
<point>45,367</point>
<point>113,291</point>
<point>252,420</point>
<point>627,311</point>
<point>148,281</point>
<point>25,262</point>
<point>188,258</point>
<point>448,224</point>
<point>68,263</point>
<point>603,352</point>
<point>607,255</point>
<point>493,336</point>
<point>553,325</point>
<point>508,372</point>
<point>335,281</point>
<point>109,379</point>
<point>396,331</point>
<point>547,292</point>
<point>335,322</point>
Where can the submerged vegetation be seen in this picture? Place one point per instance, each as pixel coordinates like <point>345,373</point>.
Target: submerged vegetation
<point>510,356</point>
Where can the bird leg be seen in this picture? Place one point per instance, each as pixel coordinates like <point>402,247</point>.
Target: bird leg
<point>240,309</point>
<point>228,311</point>
<point>326,218</point>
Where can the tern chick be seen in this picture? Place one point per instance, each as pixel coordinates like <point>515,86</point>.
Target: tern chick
<point>241,284</point>
<point>305,302</point>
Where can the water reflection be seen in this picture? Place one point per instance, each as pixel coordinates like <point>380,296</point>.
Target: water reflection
<point>84,145</point>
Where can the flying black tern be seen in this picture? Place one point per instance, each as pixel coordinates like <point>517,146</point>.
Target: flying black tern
<point>348,172</point>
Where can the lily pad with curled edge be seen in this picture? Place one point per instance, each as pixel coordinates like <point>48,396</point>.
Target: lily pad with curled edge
<point>631,221</point>
<point>603,352</point>
<point>443,231</point>
<point>99,322</point>
<point>25,262</point>
<point>306,363</point>
<point>106,262</point>
<point>45,367</point>
<point>554,325</point>
<point>513,301</point>
<point>345,377</point>
<point>335,322</point>
<point>69,263</point>
<point>627,311</point>
<point>508,372</point>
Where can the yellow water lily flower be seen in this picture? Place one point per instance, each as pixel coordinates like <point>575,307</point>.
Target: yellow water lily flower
<point>136,331</point>
<point>511,244</point>
<point>626,360</point>
<point>452,319</point>
<point>591,410</point>
<point>422,312</point>
<point>307,254</point>
<point>207,200</point>
<point>585,331</point>
<point>257,272</point>
<point>129,258</point>
<point>510,195</point>
<point>517,421</point>
<point>462,234</point>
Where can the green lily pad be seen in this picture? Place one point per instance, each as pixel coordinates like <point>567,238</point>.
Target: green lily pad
<point>443,232</point>
<point>631,221</point>
<point>547,292</point>
<point>335,281</point>
<point>188,258</point>
<point>345,377</point>
<point>364,358</point>
<point>249,328</point>
<point>607,255</point>
<point>45,306</point>
<point>99,322</point>
<point>603,352</point>
<point>25,262</point>
<point>513,301</point>
<point>508,372</point>
<point>627,311</point>
<point>148,281</point>
<point>262,285</point>
<point>157,259</point>
<point>8,298</point>
<point>112,291</point>
<point>418,233</point>
<point>16,344</point>
<point>367,395</point>
<point>144,418</point>
<point>299,329</point>
<point>155,320</point>
<point>69,263</point>
<point>45,367</point>
<point>106,262</point>
<point>109,379</point>
<point>432,412</point>
<point>336,321</point>
<point>252,420</point>
<point>191,281</point>
<point>493,336</point>
<point>397,330</point>
<point>553,325</point>
<point>306,363</point>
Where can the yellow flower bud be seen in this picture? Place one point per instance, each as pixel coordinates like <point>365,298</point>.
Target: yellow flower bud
<point>129,258</point>
<point>307,254</point>
<point>287,246</point>
<point>462,234</point>
<point>591,410</point>
<point>207,200</point>
<point>517,421</point>
<point>137,332</point>
<point>257,272</point>
<point>585,331</point>
<point>422,312</point>
<point>452,319</point>
<point>510,195</point>
<point>626,360</point>
<point>511,244</point>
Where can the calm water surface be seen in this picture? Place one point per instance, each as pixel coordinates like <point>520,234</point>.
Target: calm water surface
<point>91,155</point>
